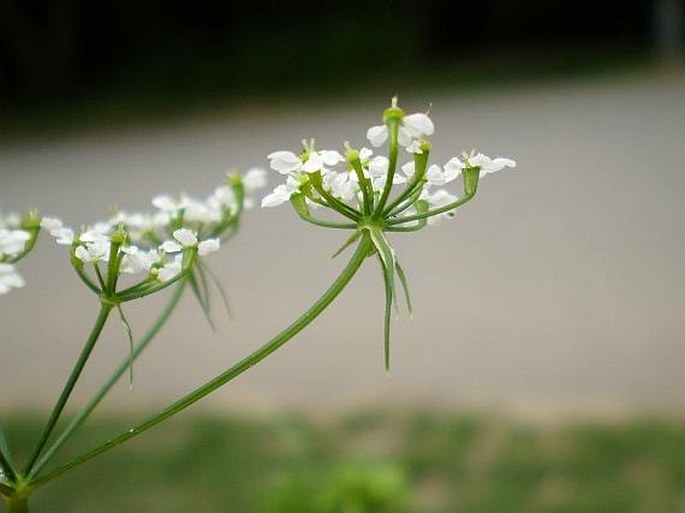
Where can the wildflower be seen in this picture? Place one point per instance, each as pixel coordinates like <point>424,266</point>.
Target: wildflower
<point>412,127</point>
<point>9,278</point>
<point>136,260</point>
<point>281,193</point>
<point>170,269</point>
<point>12,242</point>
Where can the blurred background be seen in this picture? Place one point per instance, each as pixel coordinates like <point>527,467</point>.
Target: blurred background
<point>543,369</point>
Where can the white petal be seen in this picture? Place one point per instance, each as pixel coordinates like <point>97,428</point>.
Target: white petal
<point>377,135</point>
<point>378,166</point>
<point>418,124</point>
<point>208,246</point>
<point>186,237</point>
<point>255,178</point>
<point>284,161</point>
<point>170,246</point>
<point>404,137</point>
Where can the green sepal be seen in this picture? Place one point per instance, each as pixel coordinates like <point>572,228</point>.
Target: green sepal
<point>219,286</point>
<point>405,286</point>
<point>4,446</point>
<point>347,244</point>
<point>387,257</point>
<point>129,333</point>
<point>198,284</point>
<point>471,176</point>
<point>299,203</point>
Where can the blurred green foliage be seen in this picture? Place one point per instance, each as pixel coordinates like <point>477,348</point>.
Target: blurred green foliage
<point>374,461</point>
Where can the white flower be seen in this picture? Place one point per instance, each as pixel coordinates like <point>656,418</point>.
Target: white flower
<point>9,278</point>
<point>285,162</point>
<point>93,252</point>
<point>168,204</point>
<point>255,178</point>
<point>378,183</point>
<point>208,246</point>
<point>342,185</point>
<point>171,269</point>
<point>435,175</point>
<point>50,223</point>
<point>96,233</point>
<point>322,161</point>
<point>378,166</point>
<point>415,147</point>
<point>438,199</point>
<point>281,194</point>
<point>12,241</point>
<point>413,126</point>
<point>486,164</point>
<point>136,260</point>
<point>63,236</point>
<point>185,238</point>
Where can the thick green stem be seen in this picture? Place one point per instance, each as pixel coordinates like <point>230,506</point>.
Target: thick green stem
<point>69,386</point>
<point>17,504</point>
<point>116,375</point>
<point>272,345</point>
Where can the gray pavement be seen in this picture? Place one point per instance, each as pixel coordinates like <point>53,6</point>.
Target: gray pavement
<point>561,288</point>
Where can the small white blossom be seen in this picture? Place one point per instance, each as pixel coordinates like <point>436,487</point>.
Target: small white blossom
<point>378,166</point>
<point>185,238</point>
<point>168,204</point>
<point>435,175</point>
<point>486,164</point>
<point>208,246</point>
<point>93,252</point>
<point>136,260</point>
<point>50,223</point>
<point>9,278</point>
<point>281,193</point>
<point>413,126</point>
<point>415,147</point>
<point>438,199</point>
<point>254,178</point>
<point>322,161</point>
<point>285,162</point>
<point>12,241</point>
<point>171,269</point>
<point>63,236</point>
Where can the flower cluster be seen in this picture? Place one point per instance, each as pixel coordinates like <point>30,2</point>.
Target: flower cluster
<point>358,185</point>
<point>376,194</point>
<point>17,237</point>
<point>159,245</point>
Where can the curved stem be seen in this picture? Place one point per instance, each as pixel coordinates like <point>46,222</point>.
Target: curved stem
<point>336,204</point>
<point>324,223</point>
<point>116,375</point>
<point>393,128</point>
<point>431,213</point>
<point>272,345</point>
<point>71,382</point>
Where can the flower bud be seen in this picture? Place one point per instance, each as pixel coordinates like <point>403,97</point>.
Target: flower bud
<point>471,175</point>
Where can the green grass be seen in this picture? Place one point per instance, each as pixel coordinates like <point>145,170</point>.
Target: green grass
<point>374,462</point>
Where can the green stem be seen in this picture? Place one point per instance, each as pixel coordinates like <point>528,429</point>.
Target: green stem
<point>272,345</point>
<point>17,504</point>
<point>324,223</point>
<point>394,129</point>
<point>104,390</point>
<point>69,386</point>
<point>431,213</point>
<point>333,202</point>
